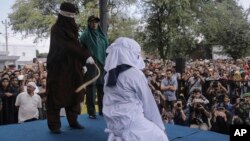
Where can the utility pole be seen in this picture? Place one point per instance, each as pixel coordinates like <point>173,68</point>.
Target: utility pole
<point>6,35</point>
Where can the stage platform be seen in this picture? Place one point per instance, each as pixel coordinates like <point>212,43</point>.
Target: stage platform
<point>94,131</point>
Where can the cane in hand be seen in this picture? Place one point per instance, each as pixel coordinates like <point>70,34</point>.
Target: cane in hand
<point>84,85</point>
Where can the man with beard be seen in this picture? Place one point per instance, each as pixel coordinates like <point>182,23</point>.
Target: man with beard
<point>64,63</point>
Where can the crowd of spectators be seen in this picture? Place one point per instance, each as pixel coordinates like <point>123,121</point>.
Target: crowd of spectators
<point>206,94</point>
<point>30,81</point>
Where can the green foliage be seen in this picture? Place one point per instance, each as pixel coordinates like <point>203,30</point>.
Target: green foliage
<point>175,28</point>
<point>225,23</point>
<point>90,7</point>
<point>120,26</point>
<point>35,17</point>
<point>41,55</point>
<point>121,21</point>
<point>168,29</point>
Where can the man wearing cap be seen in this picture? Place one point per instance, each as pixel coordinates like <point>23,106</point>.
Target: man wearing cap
<point>28,104</point>
<point>243,111</point>
<point>96,42</point>
<point>64,66</point>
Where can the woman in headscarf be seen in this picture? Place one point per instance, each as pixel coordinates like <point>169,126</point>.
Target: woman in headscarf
<point>129,108</point>
<point>8,96</point>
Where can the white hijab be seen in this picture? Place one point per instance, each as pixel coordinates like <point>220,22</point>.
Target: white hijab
<point>124,51</point>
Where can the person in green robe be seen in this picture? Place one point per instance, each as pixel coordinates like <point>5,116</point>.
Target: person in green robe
<point>96,42</point>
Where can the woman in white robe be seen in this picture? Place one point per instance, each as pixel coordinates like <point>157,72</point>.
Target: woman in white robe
<point>129,108</point>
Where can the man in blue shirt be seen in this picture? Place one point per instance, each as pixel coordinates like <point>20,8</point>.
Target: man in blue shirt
<point>169,86</point>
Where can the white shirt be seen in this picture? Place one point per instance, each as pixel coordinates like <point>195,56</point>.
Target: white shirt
<point>28,106</point>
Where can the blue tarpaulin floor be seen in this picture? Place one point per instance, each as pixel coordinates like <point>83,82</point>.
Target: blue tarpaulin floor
<point>94,131</point>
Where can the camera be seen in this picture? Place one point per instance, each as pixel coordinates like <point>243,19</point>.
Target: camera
<point>215,84</point>
<point>220,98</point>
<point>178,104</point>
<point>199,105</point>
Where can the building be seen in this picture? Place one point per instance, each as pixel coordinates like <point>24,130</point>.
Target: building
<point>7,60</point>
<point>16,54</point>
<point>218,53</point>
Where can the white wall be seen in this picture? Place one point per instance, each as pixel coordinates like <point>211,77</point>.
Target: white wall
<point>26,52</point>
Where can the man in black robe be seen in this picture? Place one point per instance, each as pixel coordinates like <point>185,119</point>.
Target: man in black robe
<point>64,66</point>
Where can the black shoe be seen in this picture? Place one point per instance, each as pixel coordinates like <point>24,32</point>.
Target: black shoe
<point>57,131</point>
<point>92,116</point>
<point>101,114</point>
<point>77,126</point>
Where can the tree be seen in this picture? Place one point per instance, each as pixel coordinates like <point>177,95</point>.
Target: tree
<point>28,17</point>
<point>104,15</point>
<point>168,28</point>
<point>176,28</point>
<point>35,17</point>
<point>172,28</point>
<point>224,23</point>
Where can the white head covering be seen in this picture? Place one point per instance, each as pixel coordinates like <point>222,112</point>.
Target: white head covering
<point>67,14</point>
<point>124,51</point>
<point>33,84</point>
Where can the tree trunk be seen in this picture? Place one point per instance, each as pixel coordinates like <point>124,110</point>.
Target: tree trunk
<point>104,15</point>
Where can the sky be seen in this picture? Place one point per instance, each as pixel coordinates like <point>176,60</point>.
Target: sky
<point>16,39</point>
<point>42,46</point>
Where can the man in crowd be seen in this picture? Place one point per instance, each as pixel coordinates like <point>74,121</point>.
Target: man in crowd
<point>169,86</point>
<point>243,112</point>
<point>28,104</point>
<point>195,82</point>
